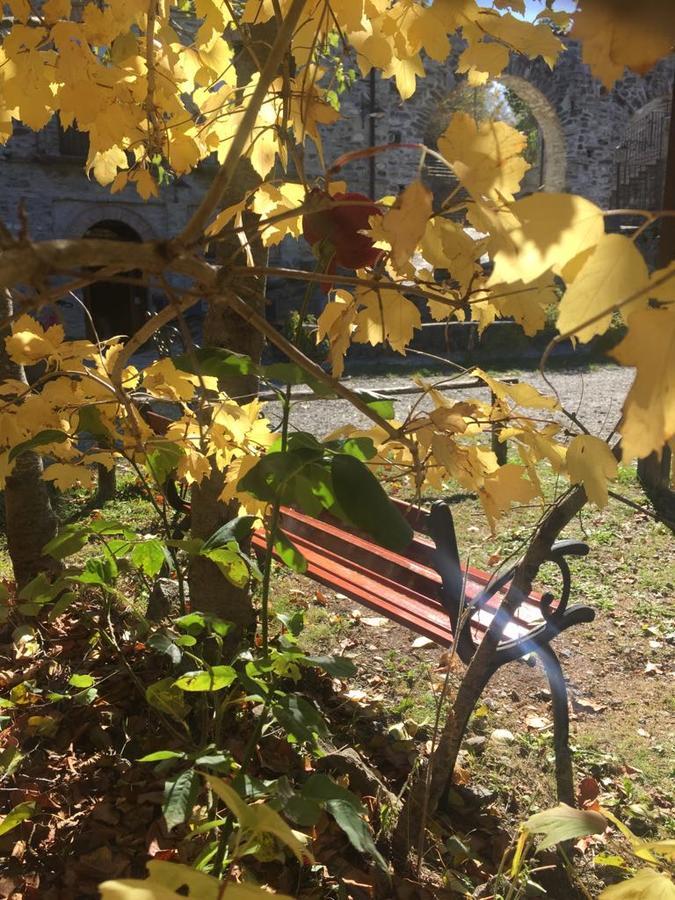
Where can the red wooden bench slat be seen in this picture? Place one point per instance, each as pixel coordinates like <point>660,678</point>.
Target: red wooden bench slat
<point>395,586</point>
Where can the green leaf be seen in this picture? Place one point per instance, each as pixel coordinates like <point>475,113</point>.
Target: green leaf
<point>221,761</point>
<point>162,459</point>
<point>303,810</point>
<point>99,570</point>
<point>81,681</point>
<point>194,623</point>
<point>275,476</point>
<point>337,666</point>
<point>366,505</point>
<point>89,420</point>
<point>348,812</point>
<point>230,562</point>
<point>162,695</point>
<point>69,540</point>
<point>150,556</point>
<point>41,439</point>
<point>289,554</point>
<point>163,643</point>
<point>290,373</point>
<point>180,795</point>
<point>61,605</point>
<point>215,361</point>
<point>236,530</point>
<point>161,755</point>
<point>215,679</point>
<point>299,718</point>
<point>362,448</point>
<point>383,406</point>
<point>562,823</point>
<point>294,622</point>
<point>16,816</point>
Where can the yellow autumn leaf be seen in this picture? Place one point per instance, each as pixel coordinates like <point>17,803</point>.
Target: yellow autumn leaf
<point>504,487</point>
<point>525,395</point>
<point>482,61</point>
<point>591,463</point>
<point>66,476</point>
<point>528,304</point>
<point>538,233</point>
<point>145,183</point>
<point>649,410</point>
<point>531,39</point>
<point>271,201</point>
<point>615,271</point>
<point>616,34</point>
<point>30,342</point>
<point>224,217</point>
<point>648,884</point>
<point>56,9</point>
<point>385,316</point>
<point>163,379</point>
<point>336,323</point>
<point>446,245</point>
<point>106,164</point>
<point>403,226</point>
<point>486,157</point>
<point>405,73</point>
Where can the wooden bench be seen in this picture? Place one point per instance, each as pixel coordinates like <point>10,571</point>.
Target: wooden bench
<point>427,590</point>
<point>423,589</point>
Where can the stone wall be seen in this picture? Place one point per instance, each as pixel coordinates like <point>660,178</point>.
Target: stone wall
<point>50,193</point>
<point>582,125</point>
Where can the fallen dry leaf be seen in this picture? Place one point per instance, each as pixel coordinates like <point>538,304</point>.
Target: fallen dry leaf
<point>375,621</point>
<point>589,791</point>
<point>421,642</point>
<point>537,723</point>
<point>587,706</point>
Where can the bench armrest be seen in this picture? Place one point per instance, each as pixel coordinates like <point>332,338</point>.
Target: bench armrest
<point>570,548</point>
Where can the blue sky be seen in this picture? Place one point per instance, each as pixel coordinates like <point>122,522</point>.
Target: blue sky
<point>536,6</point>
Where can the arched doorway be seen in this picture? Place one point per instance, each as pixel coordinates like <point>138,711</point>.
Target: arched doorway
<point>552,147</point>
<point>115,308</point>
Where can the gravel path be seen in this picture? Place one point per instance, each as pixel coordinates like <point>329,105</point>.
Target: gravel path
<point>594,394</point>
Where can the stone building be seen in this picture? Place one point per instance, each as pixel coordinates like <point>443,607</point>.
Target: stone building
<point>609,146</point>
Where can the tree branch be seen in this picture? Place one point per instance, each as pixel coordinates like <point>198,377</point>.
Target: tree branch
<point>193,231</point>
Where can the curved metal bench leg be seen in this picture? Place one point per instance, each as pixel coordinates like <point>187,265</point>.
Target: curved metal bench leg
<point>561,725</point>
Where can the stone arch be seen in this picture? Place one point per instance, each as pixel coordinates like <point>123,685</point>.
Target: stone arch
<point>126,215</point>
<point>554,162</point>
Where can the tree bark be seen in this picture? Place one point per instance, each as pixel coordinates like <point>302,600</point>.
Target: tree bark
<point>29,518</point>
<point>210,592</point>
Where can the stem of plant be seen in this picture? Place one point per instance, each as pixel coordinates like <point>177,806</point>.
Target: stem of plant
<point>276,506</point>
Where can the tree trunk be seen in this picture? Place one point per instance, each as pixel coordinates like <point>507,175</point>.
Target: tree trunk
<point>29,518</point>
<point>209,591</point>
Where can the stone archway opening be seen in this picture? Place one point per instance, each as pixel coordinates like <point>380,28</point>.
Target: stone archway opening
<point>552,154</point>
<point>116,308</point>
